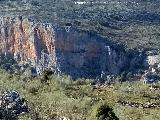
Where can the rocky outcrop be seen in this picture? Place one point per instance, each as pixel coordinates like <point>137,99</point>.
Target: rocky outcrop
<point>138,104</point>
<point>69,51</point>
<point>83,53</point>
<point>12,105</point>
<point>23,39</point>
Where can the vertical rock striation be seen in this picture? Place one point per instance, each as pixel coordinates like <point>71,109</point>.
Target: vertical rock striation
<point>25,40</point>
<point>79,54</point>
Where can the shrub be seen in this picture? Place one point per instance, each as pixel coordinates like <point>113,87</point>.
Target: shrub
<point>122,77</point>
<point>104,112</point>
<point>45,75</point>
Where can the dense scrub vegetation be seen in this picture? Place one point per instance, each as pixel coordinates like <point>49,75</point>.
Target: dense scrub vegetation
<point>60,96</point>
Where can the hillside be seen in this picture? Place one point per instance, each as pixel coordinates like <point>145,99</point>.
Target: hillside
<point>79,60</point>
<point>134,23</point>
<point>60,97</point>
<point>81,39</point>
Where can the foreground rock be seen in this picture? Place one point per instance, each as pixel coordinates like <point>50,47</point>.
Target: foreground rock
<point>12,105</point>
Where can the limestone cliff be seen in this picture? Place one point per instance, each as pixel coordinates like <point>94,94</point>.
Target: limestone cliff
<point>25,40</point>
<point>72,52</point>
<point>87,55</point>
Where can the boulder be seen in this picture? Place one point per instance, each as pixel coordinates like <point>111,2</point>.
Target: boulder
<point>12,105</point>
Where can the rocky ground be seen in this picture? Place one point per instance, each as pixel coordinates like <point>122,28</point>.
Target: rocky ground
<point>12,105</point>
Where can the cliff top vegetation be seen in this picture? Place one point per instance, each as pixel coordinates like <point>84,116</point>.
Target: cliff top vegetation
<point>134,23</point>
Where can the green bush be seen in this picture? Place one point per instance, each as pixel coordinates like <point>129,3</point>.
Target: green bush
<point>104,112</point>
<point>45,75</point>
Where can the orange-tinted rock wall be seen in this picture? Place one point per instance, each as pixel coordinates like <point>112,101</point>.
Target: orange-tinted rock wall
<point>75,53</point>
<point>17,38</point>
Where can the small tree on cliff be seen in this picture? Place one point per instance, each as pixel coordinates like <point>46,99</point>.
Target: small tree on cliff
<point>45,75</point>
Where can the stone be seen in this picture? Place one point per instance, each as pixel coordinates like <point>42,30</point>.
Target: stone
<point>12,104</point>
<point>153,59</point>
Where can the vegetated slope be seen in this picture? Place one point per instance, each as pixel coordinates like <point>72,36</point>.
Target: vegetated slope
<point>135,23</point>
<point>53,97</point>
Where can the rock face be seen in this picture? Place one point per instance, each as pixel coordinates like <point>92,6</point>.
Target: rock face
<point>23,39</point>
<point>68,51</point>
<point>85,54</point>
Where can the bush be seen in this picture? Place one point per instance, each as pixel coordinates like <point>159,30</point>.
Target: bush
<point>45,75</point>
<point>104,112</point>
<point>122,77</point>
